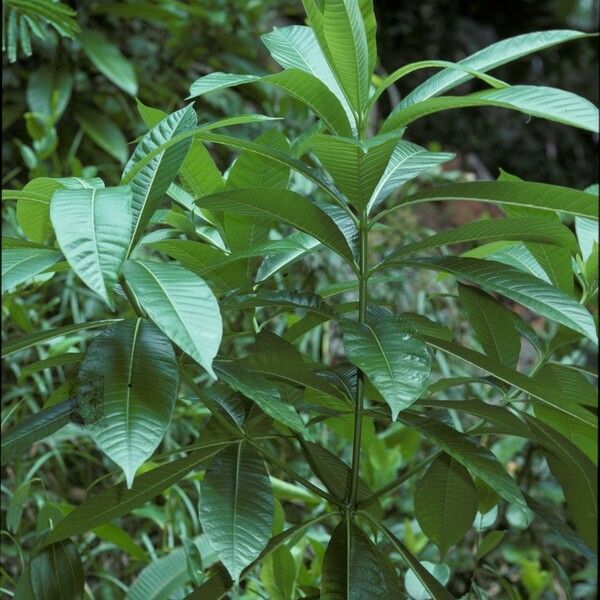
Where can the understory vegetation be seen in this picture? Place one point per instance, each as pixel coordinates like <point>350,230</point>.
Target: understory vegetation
<point>258,342</point>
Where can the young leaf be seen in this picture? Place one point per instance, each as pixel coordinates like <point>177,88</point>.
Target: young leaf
<point>137,365</point>
<point>21,264</point>
<point>56,572</point>
<point>182,306</point>
<point>93,229</point>
<point>397,363</point>
<point>492,323</point>
<point>150,184</point>
<point>489,58</point>
<point>353,567</point>
<point>445,502</point>
<point>236,507</point>
<point>283,205</point>
<point>538,101</point>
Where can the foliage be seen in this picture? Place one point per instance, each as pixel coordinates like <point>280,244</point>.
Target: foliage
<point>398,464</point>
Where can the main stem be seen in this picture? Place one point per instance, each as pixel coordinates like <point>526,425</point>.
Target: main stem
<point>360,382</point>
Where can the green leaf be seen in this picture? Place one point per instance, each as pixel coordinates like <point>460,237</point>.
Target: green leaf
<point>544,196</point>
<point>492,324</point>
<point>538,101</point>
<point>570,386</point>
<point>445,502</point>
<point>348,49</point>
<point>118,500</point>
<point>354,568</point>
<point>356,167</point>
<point>56,572</point>
<point>296,47</point>
<point>520,287</point>
<point>490,542</point>
<point>541,230</point>
<point>38,337</point>
<point>93,229</point>
<point>587,235</point>
<point>33,429</point>
<point>104,132</point>
<point>264,393</point>
<point>479,460</point>
<point>236,507</point>
<point>162,577</point>
<point>16,506</point>
<point>107,58</point>
<point>439,571</point>
<point>406,162</point>
<point>182,306</point>
<point>488,58</point>
<point>136,364</point>
<point>397,363</point>
<point>283,205</point>
<point>150,184</point>
<point>21,264</point>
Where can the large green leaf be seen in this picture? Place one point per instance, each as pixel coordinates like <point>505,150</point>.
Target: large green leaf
<point>445,502</point>
<point>348,49</point>
<point>48,334</point>
<point>488,58</point>
<point>151,182</point>
<point>397,363</point>
<point>296,47</point>
<point>569,385</point>
<point>117,500</point>
<point>479,460</point>
<point>538,101</point>
<point>353,567</point>
<point>236,507</point>
<point>283,205</point>
<point>263,392</point>
<point>356,167</point>
<point>104,132</point>
<point>492,323</point>
<point>543,231</point>
<point>21,264</point>
<point>406,162</point>
<point>136,364</point>
<point>520,287</point>
<point>304,86</point>
<point>544,196</point>
<point>34,428</point>
<point>93,229</point>
<point>181,304</point>
<point>56,573</point>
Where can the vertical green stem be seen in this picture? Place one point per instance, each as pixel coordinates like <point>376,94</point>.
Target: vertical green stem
<point>360,383</point>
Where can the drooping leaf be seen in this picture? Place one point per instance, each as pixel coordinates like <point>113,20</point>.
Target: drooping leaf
<point>537,101</point>
<point>104,132</point>
<point>107,58</point>
<point>150,184</point>
<point>137,366</point>
<point>284,205</point>
<point>520,287</point>
<point>236,507</point>
<point>445,502</point>
<point>492,324</point>
<point>117,500</point>
<point>397,363</point>
<point>22,264</point>
<point>354,568</point>
<point>93,229</point>
<point>488,58</point>
<point>182,306</point>
<point>479,460</point>
<point>570,386</point>
<point>34,428</point>
<point>544,196</point>
<point>56,573</point>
